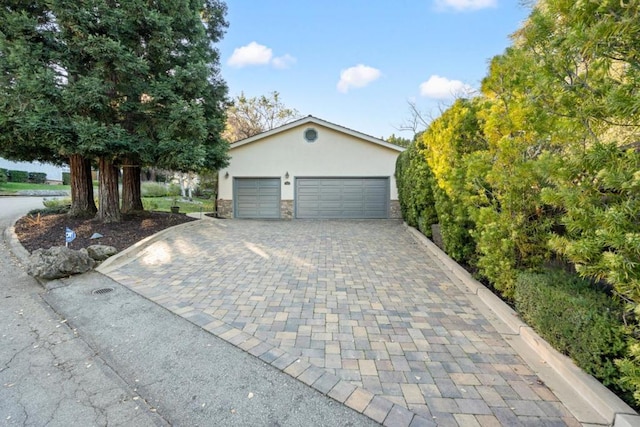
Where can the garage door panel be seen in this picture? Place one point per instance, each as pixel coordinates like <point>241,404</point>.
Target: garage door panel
<point>342,197</point>
<point>257,198</point>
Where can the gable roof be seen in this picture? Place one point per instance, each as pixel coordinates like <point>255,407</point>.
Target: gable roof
<point>314,120</point>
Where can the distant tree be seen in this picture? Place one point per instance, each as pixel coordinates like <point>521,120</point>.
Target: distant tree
<point>417,121</point>
<point>250,116</point>
<point>399,141</point>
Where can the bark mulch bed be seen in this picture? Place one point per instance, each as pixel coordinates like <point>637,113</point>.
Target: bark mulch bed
<point>46,231</point>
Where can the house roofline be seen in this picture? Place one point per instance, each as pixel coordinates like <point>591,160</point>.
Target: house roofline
<point>320,122</point>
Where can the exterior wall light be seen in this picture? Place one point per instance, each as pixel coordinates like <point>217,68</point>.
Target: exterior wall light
<point>286,175</point>
<point>226,175</point>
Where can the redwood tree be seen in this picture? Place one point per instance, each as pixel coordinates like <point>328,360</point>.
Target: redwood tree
<point>131,191</point>
<point>82,203</point>
<point>124,83</point>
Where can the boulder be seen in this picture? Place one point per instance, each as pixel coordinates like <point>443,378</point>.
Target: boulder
<point>59,261</point>
<point>101,252</point>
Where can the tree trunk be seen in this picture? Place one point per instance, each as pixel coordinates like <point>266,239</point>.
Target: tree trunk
<point>182,184</point>
<point>109,206</point>
<point>131,193</point>
<point>82,203</point>
<point>190,185</point>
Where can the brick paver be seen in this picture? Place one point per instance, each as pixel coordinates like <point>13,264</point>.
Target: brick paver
<point>356,309</point>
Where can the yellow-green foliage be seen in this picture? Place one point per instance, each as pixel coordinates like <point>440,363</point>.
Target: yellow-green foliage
<point>532,169</point>
<point>452,135</point>
<point>446,145</point>
<point>600,192</point>
<point>630,368</point>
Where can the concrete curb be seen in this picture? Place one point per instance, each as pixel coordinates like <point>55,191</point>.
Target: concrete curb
<point>201,215</point>
<point>609,406</point>
<point>14,244</point>
<point>126,256</point>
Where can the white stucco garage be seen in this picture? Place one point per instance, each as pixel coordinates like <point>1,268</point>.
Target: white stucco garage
<point>310,168</point>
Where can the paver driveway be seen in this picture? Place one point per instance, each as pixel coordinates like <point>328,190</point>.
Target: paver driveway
<point>356,309</point>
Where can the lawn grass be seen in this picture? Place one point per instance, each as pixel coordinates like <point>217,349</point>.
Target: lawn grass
<point>160,204</point>
<point>12,187</point>
<point>163,204</point>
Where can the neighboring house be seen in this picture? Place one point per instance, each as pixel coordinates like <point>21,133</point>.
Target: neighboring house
<point>310,168</point>
<point>54,173</point>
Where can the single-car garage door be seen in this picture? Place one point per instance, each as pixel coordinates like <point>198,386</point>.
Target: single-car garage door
<point>342,197</point>
<point>257,197</point>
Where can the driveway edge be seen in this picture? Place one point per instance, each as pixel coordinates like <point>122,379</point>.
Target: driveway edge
<point>126,256</point>
<point>16,248</point>
<point>116,261</point>
<point>585,388</point>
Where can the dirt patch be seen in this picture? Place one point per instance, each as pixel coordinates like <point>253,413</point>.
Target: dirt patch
<point>49,230</point>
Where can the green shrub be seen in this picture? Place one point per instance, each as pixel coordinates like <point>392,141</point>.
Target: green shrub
<point>577,319</point>
<point>415,189</point>
<point>66,178</point>
<point>174,190</point>
<point>630,369</point>
<point>3,175</point>
<point>153,189</point>
<point>208,186</point>
<point>598,190</point>
<point>37,177</point>
<point>18,176</point>
<point>54,203</point>
<point>53,206</point>
<point>455,226</point>
<point>149,205</point>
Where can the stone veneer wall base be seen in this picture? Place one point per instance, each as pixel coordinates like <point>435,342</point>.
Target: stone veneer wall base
<point>225,208</point>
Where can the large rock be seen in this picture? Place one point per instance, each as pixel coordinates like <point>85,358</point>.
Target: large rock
<point>59,261</point>
<point>101,252</point>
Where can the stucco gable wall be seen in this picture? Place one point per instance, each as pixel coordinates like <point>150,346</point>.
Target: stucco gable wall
<point>332,154</point>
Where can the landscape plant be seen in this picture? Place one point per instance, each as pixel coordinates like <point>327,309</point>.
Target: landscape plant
<point>541,168</point>
<point>578,319</point>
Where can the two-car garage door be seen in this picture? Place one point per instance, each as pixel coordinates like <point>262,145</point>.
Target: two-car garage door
<point>314,198</point>
<point>342,197</point>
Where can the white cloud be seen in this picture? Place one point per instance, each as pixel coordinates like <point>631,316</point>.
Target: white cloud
<point>358,76</point>
<point>251,54</point>
<point>442,88</point>
<point>257,54</point>
<point>462,5</point>
<point>283,62</point>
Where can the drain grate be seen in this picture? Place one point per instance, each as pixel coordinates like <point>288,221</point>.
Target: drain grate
<point>102,291</point>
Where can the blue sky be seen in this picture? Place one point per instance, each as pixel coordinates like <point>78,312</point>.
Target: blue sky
<point>358,62</point>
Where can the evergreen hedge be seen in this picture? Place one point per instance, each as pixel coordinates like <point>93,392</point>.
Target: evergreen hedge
<point>37,177</point>
<point>415,189</point>
<point>18,176</point>
<point>577,319</point>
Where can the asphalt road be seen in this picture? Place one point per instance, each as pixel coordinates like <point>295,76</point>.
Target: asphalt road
<point>69,357</point>
<point>48,375</point>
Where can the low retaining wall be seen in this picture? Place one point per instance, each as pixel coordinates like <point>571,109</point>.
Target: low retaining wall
<point>590,391</point>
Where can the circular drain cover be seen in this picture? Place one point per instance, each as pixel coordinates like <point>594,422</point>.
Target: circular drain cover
<point>102,291</point>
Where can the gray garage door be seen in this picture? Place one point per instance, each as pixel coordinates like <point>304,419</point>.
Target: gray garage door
<point>342,197</point>
<point>256,197</point>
